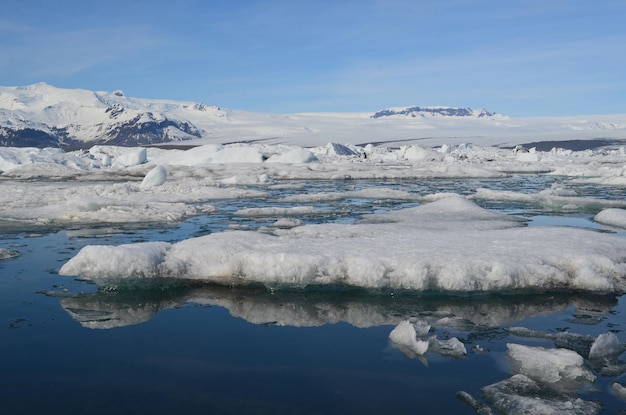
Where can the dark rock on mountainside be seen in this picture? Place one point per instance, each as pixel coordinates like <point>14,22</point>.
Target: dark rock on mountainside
<point>443,111</point>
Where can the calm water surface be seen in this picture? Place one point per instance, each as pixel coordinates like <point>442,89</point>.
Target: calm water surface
<point>68,349</point>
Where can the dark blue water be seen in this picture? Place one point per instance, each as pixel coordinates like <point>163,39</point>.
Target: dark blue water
<point>69,349</point>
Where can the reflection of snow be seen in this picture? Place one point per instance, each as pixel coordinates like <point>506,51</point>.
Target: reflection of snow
<point>308,308</point>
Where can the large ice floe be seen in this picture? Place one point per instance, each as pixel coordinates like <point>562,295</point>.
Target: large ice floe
<point>447,245</point>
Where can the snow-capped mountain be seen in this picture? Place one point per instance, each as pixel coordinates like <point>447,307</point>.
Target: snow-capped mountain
<point>41,115</point>
<point>433,112</point>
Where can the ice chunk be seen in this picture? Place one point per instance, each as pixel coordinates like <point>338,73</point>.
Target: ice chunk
<point>404,337</point>
<point>580,343</point>
<point>155,177</point>
<point>606,345</point>
<point>296,155</point>
<point>556,368</point>
<point>452,347</point>
<point>520,395</point>
<point>6,254</point>
<point>619,390</point>
<point>551,199</point>
<point>604,355</point>
<point>141,260</point>
<point>612,217</point>
<point>480,408</point>
<point>131,158</point>
<point>334,149</point>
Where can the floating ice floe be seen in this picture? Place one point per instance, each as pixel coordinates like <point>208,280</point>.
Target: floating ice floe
<point>520,395</point>
<point>554,199</point>
<point>7,254</point>
<point>619,390</point>
<point>447,245</point>
<point>612,217</point>
<point>557,368</point>
<point>404,337</point>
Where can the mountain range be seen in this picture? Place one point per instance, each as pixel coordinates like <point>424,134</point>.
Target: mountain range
<point>41,115</point>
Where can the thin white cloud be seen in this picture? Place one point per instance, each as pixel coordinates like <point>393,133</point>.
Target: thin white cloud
<point>46,54</point>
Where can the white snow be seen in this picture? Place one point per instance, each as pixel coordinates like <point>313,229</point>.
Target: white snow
<point>449,245</point>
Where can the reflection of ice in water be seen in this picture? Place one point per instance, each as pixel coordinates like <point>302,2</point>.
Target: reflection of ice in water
<point>538,384</point>
<point>317,307</point>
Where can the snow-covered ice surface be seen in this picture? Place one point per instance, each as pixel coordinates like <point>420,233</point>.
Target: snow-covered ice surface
<point>474,257</point>
<point>447,245</point>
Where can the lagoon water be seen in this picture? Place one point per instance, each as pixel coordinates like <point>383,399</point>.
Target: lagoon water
<point>68,347</point>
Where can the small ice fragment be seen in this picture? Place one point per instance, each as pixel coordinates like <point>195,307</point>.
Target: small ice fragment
<point>451,347</point>
<point>619,390</point>
<point>6,254</point>
<point>404,337</point>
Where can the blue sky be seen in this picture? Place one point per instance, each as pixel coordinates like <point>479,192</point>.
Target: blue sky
<point>518,58</point>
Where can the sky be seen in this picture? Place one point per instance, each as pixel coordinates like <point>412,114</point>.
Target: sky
<point>515,57</point>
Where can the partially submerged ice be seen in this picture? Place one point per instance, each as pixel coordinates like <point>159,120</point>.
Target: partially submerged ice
<point>448,245</point>
<point>6,254</point>
<point>404,338</point>
<point>520,395</point>
<point>558,368</point>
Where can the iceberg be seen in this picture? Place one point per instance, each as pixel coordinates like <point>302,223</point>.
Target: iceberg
<point>449,245</point>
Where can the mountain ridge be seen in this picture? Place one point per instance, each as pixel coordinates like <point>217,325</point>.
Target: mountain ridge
<point>41,115</point>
